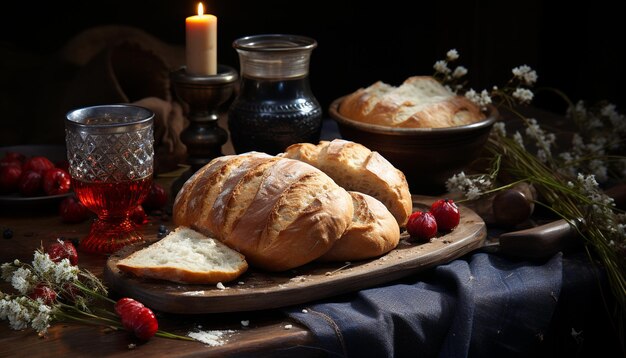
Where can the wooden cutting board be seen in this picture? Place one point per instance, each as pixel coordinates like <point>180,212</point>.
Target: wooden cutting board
<point>258,290</point>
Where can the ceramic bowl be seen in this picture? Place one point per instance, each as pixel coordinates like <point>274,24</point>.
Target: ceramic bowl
<point>426,156</point>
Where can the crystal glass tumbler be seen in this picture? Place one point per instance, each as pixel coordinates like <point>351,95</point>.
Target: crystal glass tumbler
<point>110,152</point>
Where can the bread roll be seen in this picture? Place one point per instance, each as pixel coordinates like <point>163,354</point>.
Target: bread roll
<point>356,168</point>
<point>280,213</point>
<point>186,256</point>
<point>373,232</point>
<point>420,102</point>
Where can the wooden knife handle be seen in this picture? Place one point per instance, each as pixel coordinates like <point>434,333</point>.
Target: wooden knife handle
<point>539,242</point>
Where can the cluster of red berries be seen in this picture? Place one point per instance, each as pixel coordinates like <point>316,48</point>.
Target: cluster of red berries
<point>134,316</point>
<point>34,176</point>
<point>443,216</point>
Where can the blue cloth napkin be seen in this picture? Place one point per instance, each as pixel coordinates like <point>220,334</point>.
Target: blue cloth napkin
<point>481,305</point>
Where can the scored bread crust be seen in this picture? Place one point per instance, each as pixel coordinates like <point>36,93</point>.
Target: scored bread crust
<point>279,213</point>
<point>356,168</point>
<point>420,102</point>
<point>162,259</point>
<point>373,232</point>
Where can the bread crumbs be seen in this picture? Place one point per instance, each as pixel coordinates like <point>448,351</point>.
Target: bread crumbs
<point>211,338</point>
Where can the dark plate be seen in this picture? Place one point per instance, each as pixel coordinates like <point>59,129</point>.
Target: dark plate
<point>14,202</point>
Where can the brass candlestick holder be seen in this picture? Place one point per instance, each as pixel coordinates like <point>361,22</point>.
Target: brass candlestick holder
<point>204,95</point>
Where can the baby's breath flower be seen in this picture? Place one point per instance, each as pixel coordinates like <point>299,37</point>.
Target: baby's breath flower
<point>64,272</point>
<point>41,322</point>
<point>523,95</point>
<point>499,128</point>
<point>459,72</point>
<point>42,263</point>
<point>7,270</point>
<point>525,74</point>
<point>471,186</point>
<point>442,67</point>
<point>452,55</point>
<point>30,310</point>
<point>482,99</point>
<point>21,280</point>
<point>517,137</point>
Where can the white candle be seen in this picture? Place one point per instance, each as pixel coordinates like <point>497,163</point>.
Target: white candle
<point>201,46</point>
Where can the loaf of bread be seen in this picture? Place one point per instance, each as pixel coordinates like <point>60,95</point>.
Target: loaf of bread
<point>373,232</point>
<point>420,102</point>
<point>186,256</point>
<point>279,213</point>
<point>356,168</point>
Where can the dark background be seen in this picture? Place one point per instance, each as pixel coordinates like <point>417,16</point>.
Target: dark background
<point>580,50</point>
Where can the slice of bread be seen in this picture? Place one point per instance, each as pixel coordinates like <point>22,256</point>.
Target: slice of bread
<point>186,256</point>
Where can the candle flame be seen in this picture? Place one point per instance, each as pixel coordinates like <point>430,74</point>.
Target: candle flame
<point>200,9</point>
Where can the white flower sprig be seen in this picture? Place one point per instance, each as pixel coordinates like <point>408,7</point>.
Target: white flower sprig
<point>567,183</point>
<point>513,92</point>
<point>51,291</point>
<point>452,79</point>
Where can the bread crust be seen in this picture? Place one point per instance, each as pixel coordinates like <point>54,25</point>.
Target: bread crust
<point>356,168</point>
<point>420,102</point>
<point>373,232</point>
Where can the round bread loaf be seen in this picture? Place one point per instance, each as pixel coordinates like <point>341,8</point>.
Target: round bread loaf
<point>373,232</point>
<point>356,168</point>
<point>279,213</point>
<point>420,102</point>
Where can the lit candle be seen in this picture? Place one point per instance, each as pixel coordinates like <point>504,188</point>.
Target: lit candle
<point>201,32</point>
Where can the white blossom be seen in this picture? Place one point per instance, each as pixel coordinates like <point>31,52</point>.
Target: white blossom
<point>452,54</point>
<point>21,280</point>
<point>525,74</point>
<point>523,95</point>
<point>7,271</point>
<point>517,137</point>
<point>41,322</point>
<point>441,66</point>
<point>17,312</point>
<point>482,99</point>
<point>499,128</point>
<point>64,272</point>
<point>472,187</point>
<point>42,263</point>
<point>543,140</point>
<point>459,72</point>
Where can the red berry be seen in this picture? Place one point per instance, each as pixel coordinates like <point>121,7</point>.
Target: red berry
<point>10,177</point>
<point>157,197</point>
<point>60,250</point>
<point>43,292</point>
<point>30,183</point>
<point>446,213</point>
<point>38,164</point>
<point>63,164</point>
<point>13,157</point>
<point>138,215</point>
<point>56,181</point>
<point>421,225</point>
<point>137,318</point>
<point>73,211</point>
